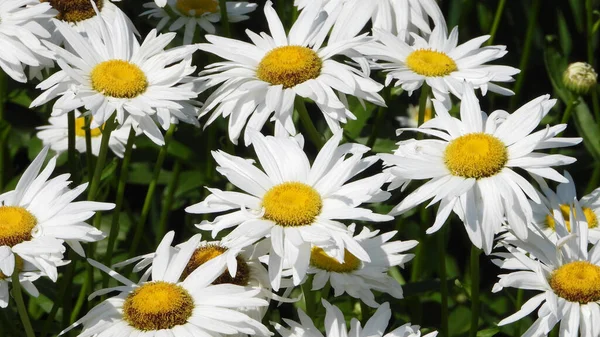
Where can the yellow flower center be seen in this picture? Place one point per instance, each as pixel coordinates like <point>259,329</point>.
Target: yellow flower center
<point>119,79</point>
<point>74,10</point>
<point>209,252</point>
<point>197,7</point>
<point>158,305</point>
<point>16,224</point>
<point>577,281</point>
<point>292,204</point>
<point>18,268</point>
<point>320,259</point>
<point>289,66</point>
<point>80,128</point>
<point>475,155</point>
<point>428,115</point>
<point>590,217</point>
<point>430,63</point>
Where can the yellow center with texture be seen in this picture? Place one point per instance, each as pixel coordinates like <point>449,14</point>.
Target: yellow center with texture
<point>320,259</point>
<point>289,66</point>
<point>430,63</point>
<point>16,224</point>
<point>475,155</point>
<point>590,217</point>
<point>118,79</point>
<point>577,281</point>
<point>292,204</point>
<point>158,305</point>
<point>75,10</point>
<point>197,7</point>
<point>206,253</point>
<point>80,128</point>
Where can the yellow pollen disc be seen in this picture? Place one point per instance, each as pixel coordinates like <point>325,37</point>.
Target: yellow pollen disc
<point>590,217</point>
<point>289,66</point>
<point>158,305</point>
<point>475,155</point>
<point>119,79</point>
<point>18,268</point>
<point>320,259</point>
<point>292,204</point>
<point>197,7</point>
<point>74,10</point>
<point>430,63</point>
<point>80,128</point>
<point>16,224</point>
<point>577,282</point>
<point>209,252</point>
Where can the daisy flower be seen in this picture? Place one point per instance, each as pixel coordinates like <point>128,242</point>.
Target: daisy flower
<point>566,275</point>
<point>261,79</point>
<point>192,13</point>
<point>56,135</point>
<point>28,273</point>
<point>38,217</point>
<point>560,200</point>
<point>358,278</point>
<point>243,268</point>
<point>413,115</point>
<point>399,17</point>
<point>335,325</point>
<point>166,306</point>
<point>293,203</point>
<point>21,34</point>
<point>440,63</point>
<point>110,71</point>
<point>470,165</point>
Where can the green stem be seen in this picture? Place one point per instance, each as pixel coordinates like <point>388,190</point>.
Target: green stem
<point>82,294</point>
<point>533,17</point>
<point>71,144</point>
<point>567,115</point>
<point>18,295</point>
<point>425,90</point>
<point>114,226</point>
<point>166,209</point>
<point>313,134</point>
<point>518,304</point>
<point>224,18</point>
<point>309,298</point>
<point>497,18</point>
<point>88,149</point>
<point>109,126</point>
<point>66,283</point>
<point>380,119</point>
<point>475,305</point>
<point>441,238</point>
<point>589,9</point>
<point>162,154</point>
<point>4,136</point>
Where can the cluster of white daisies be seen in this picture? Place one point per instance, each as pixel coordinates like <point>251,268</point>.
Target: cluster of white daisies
<point>289,212</point>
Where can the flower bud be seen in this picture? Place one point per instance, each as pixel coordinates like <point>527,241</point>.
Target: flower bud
<point>580,78</point>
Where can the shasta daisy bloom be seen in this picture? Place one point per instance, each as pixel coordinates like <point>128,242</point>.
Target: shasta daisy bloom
<point>412,120</point>
<point>56,135</point>
<point>399,17</point>
<point>109,71</point>
<point>188,14</point>
<point>560,200</point>
<point>21,34</point>
<point>294,203</point>
<point>335,325</point>
<point>358,278</point>
<point>440,63</point>
<point>243,268</point>
<point>171,304</point>
<point>565,273</point>
<point>260,80</point>
<point>470,166</point>
<point>38,217</point>
<point>28,273</point>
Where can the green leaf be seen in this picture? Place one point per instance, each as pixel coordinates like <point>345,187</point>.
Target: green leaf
<point>555,66</point>
<point>354,127</point>
<point>382,145</point>
<point>564,35</point>
<point>488,332</point>
<point>461,321</point>
<point>587,128</point>
<point>109,169</point>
